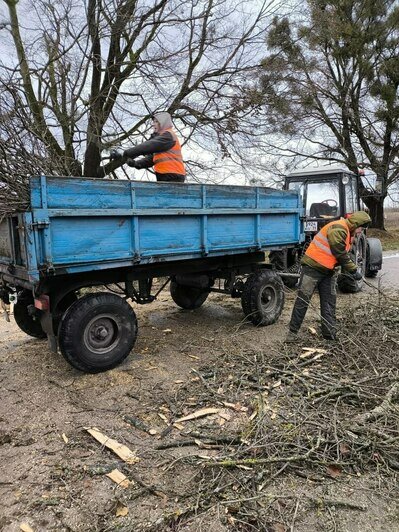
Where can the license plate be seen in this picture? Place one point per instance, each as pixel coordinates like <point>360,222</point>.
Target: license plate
<point>310,226</point>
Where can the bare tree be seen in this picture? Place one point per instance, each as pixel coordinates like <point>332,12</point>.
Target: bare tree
<point>84,77</point>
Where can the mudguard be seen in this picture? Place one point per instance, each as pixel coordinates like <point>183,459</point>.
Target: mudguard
<point>374,255</point>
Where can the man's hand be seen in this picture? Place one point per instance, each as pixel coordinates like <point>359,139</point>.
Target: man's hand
<point>132,163</point>
<point>357,275</point>
<point>115,155</point>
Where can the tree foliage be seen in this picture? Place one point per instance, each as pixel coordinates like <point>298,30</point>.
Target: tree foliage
<point>331,82</point>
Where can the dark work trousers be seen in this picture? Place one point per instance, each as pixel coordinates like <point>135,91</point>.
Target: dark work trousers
<point>326,284</point>
<point>171,178</point>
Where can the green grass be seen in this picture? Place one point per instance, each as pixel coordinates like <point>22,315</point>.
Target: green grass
<point>389,239</point>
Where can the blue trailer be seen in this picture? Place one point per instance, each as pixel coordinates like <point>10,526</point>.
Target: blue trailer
<point>82,234</point>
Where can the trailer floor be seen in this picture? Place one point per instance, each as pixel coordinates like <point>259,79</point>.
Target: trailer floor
<point>53,473</point>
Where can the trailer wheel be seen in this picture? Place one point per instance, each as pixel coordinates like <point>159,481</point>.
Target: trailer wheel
<point>27,323</point>
<point>346,283</point>
<point>97,332</point>
<point>262,299</point>
<point>188,297</point>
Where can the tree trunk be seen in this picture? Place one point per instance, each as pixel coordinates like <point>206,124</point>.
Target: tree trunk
<point>375,205</point>
<point>92,160</point>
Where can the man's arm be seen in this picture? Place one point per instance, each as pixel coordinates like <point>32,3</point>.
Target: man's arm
<point>336,237</point>
<point>143,162</point>
<point>157,144</point>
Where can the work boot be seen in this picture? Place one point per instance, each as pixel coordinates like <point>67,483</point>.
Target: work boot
<point>291,337</point>
<point>330,339</point>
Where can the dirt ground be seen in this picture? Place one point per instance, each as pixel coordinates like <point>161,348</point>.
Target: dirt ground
<point>53,472</point>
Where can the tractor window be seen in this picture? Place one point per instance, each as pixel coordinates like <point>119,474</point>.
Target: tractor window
<point>322,199</point>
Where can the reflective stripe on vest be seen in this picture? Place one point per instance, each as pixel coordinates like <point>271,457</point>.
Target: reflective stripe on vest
<point>319,249</point>
<point>171,161</point>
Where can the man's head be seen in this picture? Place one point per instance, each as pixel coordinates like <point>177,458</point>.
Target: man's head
<point>161,122</point>
<point>358,219</point>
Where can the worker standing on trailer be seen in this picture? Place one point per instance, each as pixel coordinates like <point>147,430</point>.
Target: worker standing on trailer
<point>328,250</point>
<point>162,151</point>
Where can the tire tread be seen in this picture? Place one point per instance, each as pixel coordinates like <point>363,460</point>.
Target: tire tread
<point>249,298</point>
<point>70,324</point>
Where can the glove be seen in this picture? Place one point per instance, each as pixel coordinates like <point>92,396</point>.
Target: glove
<point>132,163</point>
<point>115,155</point>
<point>357,275</point>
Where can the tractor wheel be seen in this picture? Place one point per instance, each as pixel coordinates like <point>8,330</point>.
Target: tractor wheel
<point>374,256</point>
<point>188,297</point>
<point>291,282</point>
<point>97,332</point>
<point>358,254</point>
<point>28,324</point>
<point>277,258</point>
<point>262,298</point>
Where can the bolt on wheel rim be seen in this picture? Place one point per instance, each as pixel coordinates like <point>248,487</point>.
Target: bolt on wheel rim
<point>102,334</point>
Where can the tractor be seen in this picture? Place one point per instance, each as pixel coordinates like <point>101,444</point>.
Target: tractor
<point>328,194</point>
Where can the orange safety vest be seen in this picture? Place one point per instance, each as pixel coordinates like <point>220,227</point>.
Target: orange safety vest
<point>319,249</point>
<point>171,161</point>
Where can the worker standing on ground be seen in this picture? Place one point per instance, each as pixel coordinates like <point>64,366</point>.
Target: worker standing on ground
<point>162,151</point>
<point>328,250</point>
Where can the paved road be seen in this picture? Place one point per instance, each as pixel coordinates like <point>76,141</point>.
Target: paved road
<point>388,277</point>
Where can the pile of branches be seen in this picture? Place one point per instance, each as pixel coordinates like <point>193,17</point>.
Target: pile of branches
<point>16,167</point>
<point>14,197</point>
<point>326,403</point>
<point>22,154</point>
<point>316,413</point>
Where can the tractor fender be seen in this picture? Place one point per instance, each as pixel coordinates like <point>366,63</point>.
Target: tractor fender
<point>374,255</point>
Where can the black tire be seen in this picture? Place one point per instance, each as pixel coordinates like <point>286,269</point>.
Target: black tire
<point>97,332</point>
<point>28,324</point>
<point>262,299</point>
<point>374,252</point>
<point>346,283</point>
<point>188,297</point>
<point>279,261</point>
<point>277,258</point>
<point>291,282</point>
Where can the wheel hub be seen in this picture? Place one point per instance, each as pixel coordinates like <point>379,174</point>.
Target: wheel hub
<point>268,296</point>
<point>102,334</point>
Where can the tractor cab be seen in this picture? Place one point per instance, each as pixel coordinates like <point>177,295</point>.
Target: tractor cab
<point>328,194</point>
